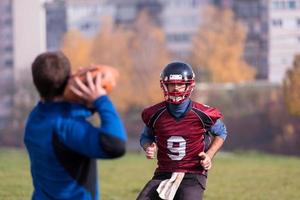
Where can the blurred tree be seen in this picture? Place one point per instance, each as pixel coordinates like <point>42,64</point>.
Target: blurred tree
<point>218,47</point>
<point>139,54</point>
<point>77,48</point>
<point>149,54</point>
<point>111,47</point>
<point>291,87</point>
<point>24,97</point>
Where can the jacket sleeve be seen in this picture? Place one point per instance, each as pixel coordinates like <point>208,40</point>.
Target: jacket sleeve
<point>106,141</point>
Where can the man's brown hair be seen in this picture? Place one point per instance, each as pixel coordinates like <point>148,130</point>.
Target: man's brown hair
<point>50,73</point>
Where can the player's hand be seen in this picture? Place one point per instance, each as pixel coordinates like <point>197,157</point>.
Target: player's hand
<point>205,160</point>
<point>150,150</point>
<point>89,91</point>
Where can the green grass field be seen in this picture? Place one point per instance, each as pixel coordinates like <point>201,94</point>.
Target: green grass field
<point>235,176</point>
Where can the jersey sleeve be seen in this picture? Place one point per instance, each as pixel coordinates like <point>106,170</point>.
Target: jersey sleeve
<point>213,113</point>
<point>146,136</point>
<point>150,114</point>
<point>98,142</point>
<point>208,115</point>
<point>147,114</point>
<point>219,129</point>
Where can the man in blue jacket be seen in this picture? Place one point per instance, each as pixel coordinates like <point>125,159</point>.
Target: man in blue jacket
<point>62,145</point>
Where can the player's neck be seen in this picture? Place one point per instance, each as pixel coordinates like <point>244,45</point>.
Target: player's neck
<point>178,109</point>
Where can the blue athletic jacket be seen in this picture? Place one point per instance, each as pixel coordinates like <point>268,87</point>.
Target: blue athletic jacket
<point>63,147</point>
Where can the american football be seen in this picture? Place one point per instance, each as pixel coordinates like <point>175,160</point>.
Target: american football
<point>109,79</point>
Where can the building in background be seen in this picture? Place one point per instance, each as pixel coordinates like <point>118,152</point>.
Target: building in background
<point>179,19</point>
<point>180,22</point>
<point>273,34</point>
<point>22,34</point>
<point>29,31</point>
<point>22,37</point>
<point>6,34</point>
<point>86,16</point>
<point>284,36</point>
<point>6,62</point>
<point>56,24</point>
<point>82,15</point>
<point>254,15</point>
<point>128,10</point>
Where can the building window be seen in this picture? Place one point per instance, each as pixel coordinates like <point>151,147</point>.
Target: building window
<point>196,3</point>
<point>292,5</point>
<point>298,22</point>
<point>179,37</point>
<point>8,63</point>
<point>85,26</point>
<point>8,9</point>
<point>278,5</point>
<point>275,5</point>
<point>277,22</point>
<point>7,22</point>
<point>8,49</point>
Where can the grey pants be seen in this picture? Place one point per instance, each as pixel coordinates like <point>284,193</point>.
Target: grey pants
<point>191,187</point>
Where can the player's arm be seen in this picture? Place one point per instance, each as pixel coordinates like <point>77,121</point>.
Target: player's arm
<point>215,146</point>
<point>112,134</point>
<point>107,141</point>
<point>219,129</point>
<point>146,137</point>
<point>147,142</point>
<point>219,132</point>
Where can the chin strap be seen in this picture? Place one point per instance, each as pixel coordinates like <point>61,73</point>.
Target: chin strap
<point>167,188</point>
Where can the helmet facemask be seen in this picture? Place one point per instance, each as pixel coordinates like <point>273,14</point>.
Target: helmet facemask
<point>177,97</point>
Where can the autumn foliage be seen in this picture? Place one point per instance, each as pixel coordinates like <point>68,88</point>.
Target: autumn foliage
<point>77,48</point>
<point>149,55</point>
<point>291,86</point>
<point>218,47</point>
<point>138,54</point>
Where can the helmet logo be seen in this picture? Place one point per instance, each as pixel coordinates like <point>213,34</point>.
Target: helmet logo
<point>175,77</point>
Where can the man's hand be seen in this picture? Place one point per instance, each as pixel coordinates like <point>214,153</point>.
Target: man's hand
<point>205,160</point>
<point>89,91</point>
<point>150,150</point>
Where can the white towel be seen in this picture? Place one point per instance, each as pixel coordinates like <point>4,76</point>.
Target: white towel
<point>167,188</point>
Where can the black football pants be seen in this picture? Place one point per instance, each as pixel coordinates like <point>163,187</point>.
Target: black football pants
<point>191,187</point>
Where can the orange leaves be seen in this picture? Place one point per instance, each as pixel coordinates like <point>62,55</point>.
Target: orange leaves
<point>138,54</point>
<point>218,47</point>
<point>149,56</point>
<point>291,86</point>
<point>77,48</point>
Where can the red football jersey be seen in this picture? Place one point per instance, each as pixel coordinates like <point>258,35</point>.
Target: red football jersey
<point>180,140</point>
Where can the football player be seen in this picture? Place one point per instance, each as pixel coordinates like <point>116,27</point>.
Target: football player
<point>185,135</point>
<point>62,144</point>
